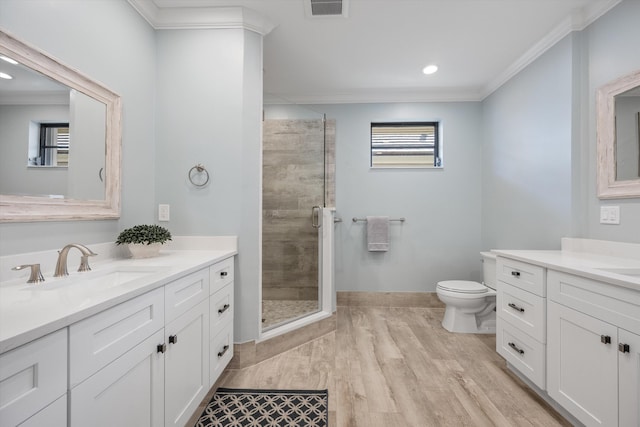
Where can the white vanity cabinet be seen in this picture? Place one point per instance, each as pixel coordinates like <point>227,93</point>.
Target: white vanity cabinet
<point>521,317</point>
<point>146,362</point>
<point>142,360</point>
<point>33,382</point>
<point>594,350</point>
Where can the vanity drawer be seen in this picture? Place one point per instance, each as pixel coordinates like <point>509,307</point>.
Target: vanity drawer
<point>32,376</point>
<point>525,353</point>
<point>526,311</point>
<point>221,309</point>
<point>185,293</point>
<point>614,304</point>
<point>97,341</point>
<point>220,352</point>
<point>221,274</point>
<point>522,275</point>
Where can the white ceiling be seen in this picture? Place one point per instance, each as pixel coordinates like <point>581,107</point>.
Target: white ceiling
<point>378,51</point>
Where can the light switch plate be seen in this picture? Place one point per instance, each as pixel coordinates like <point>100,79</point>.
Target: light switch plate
<point>609,214</point>
<point>163,212</point>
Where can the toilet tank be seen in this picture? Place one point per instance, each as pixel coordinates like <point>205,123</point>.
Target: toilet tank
<point>489,269</point>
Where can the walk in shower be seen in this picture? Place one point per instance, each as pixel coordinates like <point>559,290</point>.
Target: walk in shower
<point>298,184</point>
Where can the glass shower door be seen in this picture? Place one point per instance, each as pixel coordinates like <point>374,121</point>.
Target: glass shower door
<point>293,193</point>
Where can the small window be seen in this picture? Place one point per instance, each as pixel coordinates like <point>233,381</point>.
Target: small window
<point>405,145</point>
<point>54,145</point>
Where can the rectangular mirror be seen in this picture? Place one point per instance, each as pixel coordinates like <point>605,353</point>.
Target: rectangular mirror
<point>61,140</point>
<point>618,137</point>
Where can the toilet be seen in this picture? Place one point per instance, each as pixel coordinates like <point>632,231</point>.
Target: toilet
<point>470,306</point>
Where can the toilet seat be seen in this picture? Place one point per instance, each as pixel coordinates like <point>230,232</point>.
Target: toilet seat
<point>462,286</point>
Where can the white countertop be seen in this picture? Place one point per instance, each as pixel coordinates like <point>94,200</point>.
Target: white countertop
<point>30,311</point>
<point>585,264</point>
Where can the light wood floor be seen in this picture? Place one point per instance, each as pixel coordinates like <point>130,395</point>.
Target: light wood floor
<point>388,367</point>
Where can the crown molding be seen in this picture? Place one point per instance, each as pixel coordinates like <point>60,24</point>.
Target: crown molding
<point>375,96</point>
<point>172,18</point>
<point>578,21</point>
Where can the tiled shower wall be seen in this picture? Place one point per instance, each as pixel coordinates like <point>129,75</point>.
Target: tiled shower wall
<point>294,156</point>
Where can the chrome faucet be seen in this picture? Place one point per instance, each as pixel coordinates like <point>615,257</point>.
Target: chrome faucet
<point>61,265</point>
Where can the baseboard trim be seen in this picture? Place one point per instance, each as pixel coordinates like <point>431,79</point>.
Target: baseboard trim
<point>389,299</point>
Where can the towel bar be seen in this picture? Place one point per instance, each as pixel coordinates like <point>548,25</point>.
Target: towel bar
<point>402,219</point>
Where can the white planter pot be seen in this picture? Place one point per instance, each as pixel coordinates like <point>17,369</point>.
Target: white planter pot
<point>144,251</point>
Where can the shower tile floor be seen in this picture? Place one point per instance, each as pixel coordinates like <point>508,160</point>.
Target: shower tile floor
<point>280,311</point>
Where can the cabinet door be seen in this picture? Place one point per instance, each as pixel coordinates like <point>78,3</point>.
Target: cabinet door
<point>629,386</point>
<point>32,376</point>
<point>582,365</point>
<point>128,392</point>
<point>186,364</point>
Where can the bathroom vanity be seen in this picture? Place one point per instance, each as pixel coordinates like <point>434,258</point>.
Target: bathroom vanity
<point>131,343</point>
<point>568,321</point>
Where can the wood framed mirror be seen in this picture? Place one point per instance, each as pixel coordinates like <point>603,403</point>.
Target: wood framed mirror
<point>618,137</point>
<point>90,189</point>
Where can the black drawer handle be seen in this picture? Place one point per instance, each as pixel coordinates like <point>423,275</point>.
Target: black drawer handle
<point>223,309</point>
<point>173,339</point>
<point>623,348</point>
<point>515,347</point>
<point>515,273</point>
<point>515,307</point>
<point>224,350</point>
<point>223,274</point>
<point>605,339</point>
<point>162,348</point>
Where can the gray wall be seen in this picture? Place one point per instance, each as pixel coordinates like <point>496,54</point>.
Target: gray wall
<point>613,50</point>
<point>209,103</point>
<point>441,236</point>
<point>526,155</point>
<point>539,152</point>
<point>109,41</point>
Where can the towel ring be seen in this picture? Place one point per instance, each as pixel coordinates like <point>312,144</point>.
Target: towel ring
<point>199,168</point>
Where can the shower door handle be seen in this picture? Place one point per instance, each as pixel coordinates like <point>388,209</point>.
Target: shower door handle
<point>315,216</point>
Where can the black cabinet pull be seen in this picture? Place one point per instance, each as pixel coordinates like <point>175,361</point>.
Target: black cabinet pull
<point>515,347</point>
<point>224,350</point>
<point>223,309</point>
<point>605,339</point>
<point>623,348</point>
<point>173,339</point>
<point>515,307</point>
<point>515,273</point>
<point>162,348</point>
<point>223,273</point>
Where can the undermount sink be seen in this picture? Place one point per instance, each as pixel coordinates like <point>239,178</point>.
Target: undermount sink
<point>633,272</point>
<point>100,280</point>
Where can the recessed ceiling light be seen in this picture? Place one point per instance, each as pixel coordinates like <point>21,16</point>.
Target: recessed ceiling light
<point>9,60</point>
<point>430,69</point>
<point>5,76</point>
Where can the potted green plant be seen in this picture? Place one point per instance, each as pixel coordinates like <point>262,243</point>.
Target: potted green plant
<point>144,241</point>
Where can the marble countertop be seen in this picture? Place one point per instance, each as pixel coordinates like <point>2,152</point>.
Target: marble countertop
<point>586,264</point>
<point>30,311</point>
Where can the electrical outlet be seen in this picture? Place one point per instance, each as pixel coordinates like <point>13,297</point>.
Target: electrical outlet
<point>609,214</point>
<point>163,212</point>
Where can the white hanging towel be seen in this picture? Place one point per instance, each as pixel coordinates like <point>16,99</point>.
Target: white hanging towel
<point>378,233</point>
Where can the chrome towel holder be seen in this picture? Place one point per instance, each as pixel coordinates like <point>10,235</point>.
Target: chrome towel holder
<point>401,219</point>
<point>200,170</point>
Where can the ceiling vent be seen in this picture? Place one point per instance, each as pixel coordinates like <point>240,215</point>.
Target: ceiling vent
<point>326,8</point>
